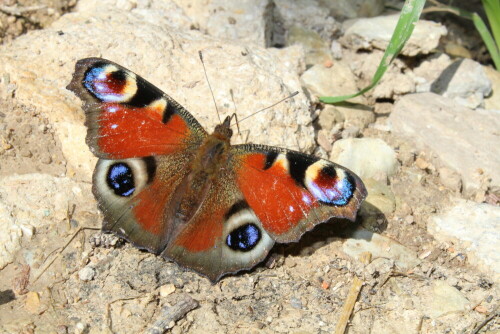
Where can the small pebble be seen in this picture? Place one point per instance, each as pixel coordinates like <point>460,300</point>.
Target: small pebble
<point>80,328</point>
<point>45,159</point>
<point>87,274</point>
<point>32,304</point>
<point>26,153</point>
<point>350,132</point>
<point>421,163</point>
<point>481,309</point>
<point>62,329</point>
<point>166,290</point>
<point>409,219</point>
<point>296,303</point>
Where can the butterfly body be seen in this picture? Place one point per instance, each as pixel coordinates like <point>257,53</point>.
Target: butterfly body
<point>167,186</point>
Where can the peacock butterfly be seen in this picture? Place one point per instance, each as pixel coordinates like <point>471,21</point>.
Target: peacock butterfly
<point>167,186</point>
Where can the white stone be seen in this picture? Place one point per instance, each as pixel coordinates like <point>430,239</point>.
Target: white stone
<point>380,247</point>
<point>464,81</point>
<point>367,157</point>
<point>87,274</point>
<point>441,299</point>
<point>350,9</point>
<point>10,238</point>
<point>331,81</point>
<point>429,70</point>
<point>476,226</point>
<point>464,140</point>
<point>307,14</point>
<point>493,101</point>
<point>376,32</point>
<point>167,289</point>
<point>242,21</point>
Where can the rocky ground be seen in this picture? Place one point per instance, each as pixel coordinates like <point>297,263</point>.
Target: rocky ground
<point>425,142</point>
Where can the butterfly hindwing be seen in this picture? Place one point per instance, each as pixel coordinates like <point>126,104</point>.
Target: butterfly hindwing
<point>291,192</point>
<point>137,195</point>
<point>224,236</point>
<point>128,117</point>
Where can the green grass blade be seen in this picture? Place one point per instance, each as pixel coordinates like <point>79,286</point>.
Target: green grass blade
<point>410,14</point>
<point>487,39</point>
<point>492,9</point>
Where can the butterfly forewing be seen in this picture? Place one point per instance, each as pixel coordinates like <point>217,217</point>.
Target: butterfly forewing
<point>128,117</point>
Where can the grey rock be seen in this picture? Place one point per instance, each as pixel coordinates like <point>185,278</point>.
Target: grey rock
<point>249,21</point>
<point>356,117</point>
<point>393,84</point>
<point>329,116</point>
<point>429,70</point>
<point>11,235</point>
<point>367,157</point>
<point>380,196</point>
<point>476,227</point>
<point>331,81</point>
<point>152,12</point>
<point>492,102</point>
<point>376,32</point>
<point>351,131</point>
<point>336,50</point>
<point>293,57</point>
<point>349,9</point>
<point>450,178</point>
<point>380,247</point>
<point>464,81</point>
<point>324,141</point>
<point>246,21</point>
<point>463,140</point>
<point>308,14</point>
<point>441,299</point>
<point>316,49</point>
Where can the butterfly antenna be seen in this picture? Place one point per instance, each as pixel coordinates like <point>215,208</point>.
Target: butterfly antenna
<point>235,114</point>
<point>272,105</point>
<point>209,86</point>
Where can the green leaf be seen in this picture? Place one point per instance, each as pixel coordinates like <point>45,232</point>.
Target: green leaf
<point>492,9</point>
<point>410,14</point>
<point>487,39</point>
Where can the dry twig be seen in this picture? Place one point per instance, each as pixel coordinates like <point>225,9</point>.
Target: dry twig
<point>356,286</point>
<point>482,324</point>
<point>173,313</point>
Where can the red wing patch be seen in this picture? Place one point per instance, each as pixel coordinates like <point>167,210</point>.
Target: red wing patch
<point>203,232</point>
<point>138,132</point>
<point>149,208</point>
<point>274,196</point>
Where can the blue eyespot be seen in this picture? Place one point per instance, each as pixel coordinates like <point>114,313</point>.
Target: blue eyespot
<point>106,86</point>
<point>244,238</point>
<point>121,179</point>
<point>338,193</point>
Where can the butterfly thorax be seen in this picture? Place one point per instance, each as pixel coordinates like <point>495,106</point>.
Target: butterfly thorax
<point>209,163</point>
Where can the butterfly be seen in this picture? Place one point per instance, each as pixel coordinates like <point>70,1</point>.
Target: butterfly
<point>168,186</point>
